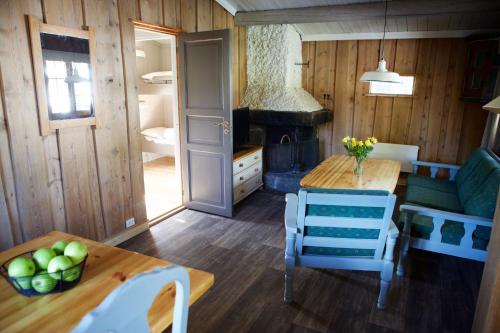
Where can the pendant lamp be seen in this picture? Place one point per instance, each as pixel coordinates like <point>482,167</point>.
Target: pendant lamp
<point>381,74</point>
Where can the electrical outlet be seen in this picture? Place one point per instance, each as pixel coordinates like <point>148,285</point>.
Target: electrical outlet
<point>129,223</point>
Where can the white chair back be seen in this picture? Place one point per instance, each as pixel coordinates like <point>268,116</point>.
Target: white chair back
<point>390,151</point>
<point>125,309</point>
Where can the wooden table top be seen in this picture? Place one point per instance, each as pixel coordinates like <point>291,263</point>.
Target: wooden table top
<point>106,268</point>
<point>338,172</point>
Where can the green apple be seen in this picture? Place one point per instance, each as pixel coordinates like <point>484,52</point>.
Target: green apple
<point>42,257</point>
<point>59,247</point>
<point>76,251</point>
<point>22,269</point>
<point>58,264</point>
<point>43,282</point>
<point>72,274</point>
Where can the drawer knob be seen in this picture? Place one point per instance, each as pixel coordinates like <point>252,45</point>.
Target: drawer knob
<point>241,165</point>
<point>242,178</point>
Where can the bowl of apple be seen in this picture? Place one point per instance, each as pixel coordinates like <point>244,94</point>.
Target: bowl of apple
<point>46,270</point>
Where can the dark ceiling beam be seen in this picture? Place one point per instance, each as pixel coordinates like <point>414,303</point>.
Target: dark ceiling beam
<point>366,11</point>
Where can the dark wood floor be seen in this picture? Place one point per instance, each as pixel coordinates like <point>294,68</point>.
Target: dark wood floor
<point>246,255</point>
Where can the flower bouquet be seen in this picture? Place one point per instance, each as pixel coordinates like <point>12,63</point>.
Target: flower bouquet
<point>359,149</point>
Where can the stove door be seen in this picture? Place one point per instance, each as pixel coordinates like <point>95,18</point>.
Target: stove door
<point>206,121</point>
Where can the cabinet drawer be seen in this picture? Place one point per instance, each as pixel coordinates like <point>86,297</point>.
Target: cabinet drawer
<point>244,162</point>
<point>247,187</point>
<point>246,174</point>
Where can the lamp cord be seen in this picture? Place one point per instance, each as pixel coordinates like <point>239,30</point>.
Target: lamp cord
<point>385,25</point>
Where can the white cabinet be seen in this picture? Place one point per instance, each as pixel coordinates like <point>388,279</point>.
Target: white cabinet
<point>247,172</point>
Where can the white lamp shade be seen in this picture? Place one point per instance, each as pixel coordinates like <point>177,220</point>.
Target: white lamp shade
<point>493,106</point>
<point>381,75</point>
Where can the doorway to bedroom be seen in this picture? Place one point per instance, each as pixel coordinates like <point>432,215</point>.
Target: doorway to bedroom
<point>159,120</point>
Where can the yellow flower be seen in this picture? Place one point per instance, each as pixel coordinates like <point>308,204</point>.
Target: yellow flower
<point>344,140</point>
<point>360,143</point>
<point>353,143</point>
<point>368,143</point>
<point>373,139</point>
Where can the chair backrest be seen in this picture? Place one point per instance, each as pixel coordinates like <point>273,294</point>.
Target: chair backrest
<point>391,151</point>
<point>125,309</point>
<point>343,223</point>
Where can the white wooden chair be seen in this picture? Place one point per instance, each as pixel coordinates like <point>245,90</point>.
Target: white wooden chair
<point>340,229</point>
<point>126,308</point>
<point>405,154</point>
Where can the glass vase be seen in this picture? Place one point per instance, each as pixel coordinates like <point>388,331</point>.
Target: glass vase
<point>358,168</point>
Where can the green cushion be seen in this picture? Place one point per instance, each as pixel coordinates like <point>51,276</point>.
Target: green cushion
<point>334,232</point>
<point>470,164</point>
<point>341,232</point>
<point>452,232</point>
<point>424,196</point>
<point>346,211</point>
<point>467,187</point>
<point>340,252</point>
<point>483,202</point>
<point>432,183</point>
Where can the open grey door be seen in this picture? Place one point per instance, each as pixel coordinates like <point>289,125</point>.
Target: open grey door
<point>206,121</point>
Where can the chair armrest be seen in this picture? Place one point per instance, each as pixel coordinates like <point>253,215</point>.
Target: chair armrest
<point>453,168</point>
<point>442,214</point>
<point>291,213</point>
<point>393,231</point>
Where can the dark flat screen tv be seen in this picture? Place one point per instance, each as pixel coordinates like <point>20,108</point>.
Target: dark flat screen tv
<point>241,127</point>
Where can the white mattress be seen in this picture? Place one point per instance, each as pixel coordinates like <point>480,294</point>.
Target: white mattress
<point>160,135</point>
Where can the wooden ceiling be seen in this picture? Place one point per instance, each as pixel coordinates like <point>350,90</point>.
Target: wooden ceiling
<point>363,19</point>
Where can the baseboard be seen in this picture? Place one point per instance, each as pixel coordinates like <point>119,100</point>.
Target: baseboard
<point>127,234</point>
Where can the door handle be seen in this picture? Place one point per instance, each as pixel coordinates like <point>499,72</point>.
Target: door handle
<point>225,125</point>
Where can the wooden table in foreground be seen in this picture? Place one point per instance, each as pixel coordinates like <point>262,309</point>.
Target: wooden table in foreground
<point>106,268</point>
<point>338,172</point>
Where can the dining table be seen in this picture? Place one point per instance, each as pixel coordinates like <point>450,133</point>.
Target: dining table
<point>337,172</point>
<point>105,269</point>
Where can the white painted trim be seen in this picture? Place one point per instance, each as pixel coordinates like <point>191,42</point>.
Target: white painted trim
<point>337,242</point>
<point>396,35</point>
<point>227,6</point>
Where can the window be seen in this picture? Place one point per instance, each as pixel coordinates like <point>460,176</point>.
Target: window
<point>394,89</point>
<point>63,62</point>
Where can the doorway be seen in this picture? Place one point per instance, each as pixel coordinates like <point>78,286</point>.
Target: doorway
<point>159,120</point>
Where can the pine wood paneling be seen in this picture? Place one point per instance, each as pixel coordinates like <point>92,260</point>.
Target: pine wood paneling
<point>188,15</point>
<point>219,17</point>
<point>81,180</point>
<point>308,56</point>
<point>451,124</point>
<point>151,11</point>
<point>76,149</point>
<point>433,118</point>
<point>345,77</point>
<point>323,89</point>
<point>405,63</point>
<point>364,108</point>
<point>204,10</point>
<point>110,140</point>
<point>126,10</point>
<point>383,112</point>
<point>28,150</point>
<point>242,55</point>
<point>172,13</point>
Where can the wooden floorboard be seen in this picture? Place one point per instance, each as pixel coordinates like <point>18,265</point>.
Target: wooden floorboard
<point>246,255</point>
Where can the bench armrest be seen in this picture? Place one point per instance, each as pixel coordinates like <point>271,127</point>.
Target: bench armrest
<point>442,214</point>
<point>291,213</point>
<point>439,217</point>
<point>453,168</point>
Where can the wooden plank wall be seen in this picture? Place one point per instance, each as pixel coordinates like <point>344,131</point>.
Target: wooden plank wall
<point>434,118</point>
<point>85,181</point>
